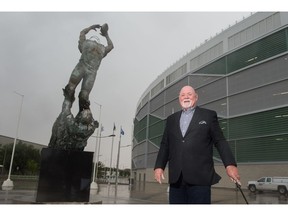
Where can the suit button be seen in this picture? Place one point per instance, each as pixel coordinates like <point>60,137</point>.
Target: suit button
<point>183,140</point>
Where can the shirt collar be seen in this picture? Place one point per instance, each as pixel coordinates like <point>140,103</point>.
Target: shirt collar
<point>189,110</point>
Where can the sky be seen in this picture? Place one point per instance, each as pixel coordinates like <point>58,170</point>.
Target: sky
<point>39,50</point>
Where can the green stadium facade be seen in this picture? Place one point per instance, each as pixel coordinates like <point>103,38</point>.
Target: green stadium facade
<point>242,73</point>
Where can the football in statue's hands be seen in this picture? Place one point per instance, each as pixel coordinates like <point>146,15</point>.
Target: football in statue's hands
<point>104,29</point>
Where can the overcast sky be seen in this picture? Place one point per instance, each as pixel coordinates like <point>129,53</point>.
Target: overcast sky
<point>39,51</point>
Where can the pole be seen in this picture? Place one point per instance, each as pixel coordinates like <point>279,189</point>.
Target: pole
<point>8,183</point>
<point>98,152</point>
<point>110,172</point>
<point>94,185</point>
<point>93,180</point>
<point>117,164</point>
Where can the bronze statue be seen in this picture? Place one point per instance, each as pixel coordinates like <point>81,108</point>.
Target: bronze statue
<point>69,132</point>
<point>92,54</point>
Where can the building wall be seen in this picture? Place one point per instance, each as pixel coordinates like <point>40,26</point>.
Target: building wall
<point>243,75</point>
<point>247,172</point>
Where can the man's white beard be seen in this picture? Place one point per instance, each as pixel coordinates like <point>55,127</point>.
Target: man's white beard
<point>186,104</point>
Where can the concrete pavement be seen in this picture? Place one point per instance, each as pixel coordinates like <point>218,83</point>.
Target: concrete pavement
<point>148,193</point>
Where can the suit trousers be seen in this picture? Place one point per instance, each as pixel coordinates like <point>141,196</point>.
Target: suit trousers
<point>183,193</point>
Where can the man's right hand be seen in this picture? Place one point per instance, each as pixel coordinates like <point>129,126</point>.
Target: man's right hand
<point>159,175</point>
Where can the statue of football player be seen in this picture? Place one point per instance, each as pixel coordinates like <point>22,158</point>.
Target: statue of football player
<point>92,54</point>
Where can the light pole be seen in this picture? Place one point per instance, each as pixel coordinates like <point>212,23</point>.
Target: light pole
<point>98,155</point>
<point>110,171</point>
<point>8,184</point>
<point>93,184</point>
<point>117,166</point>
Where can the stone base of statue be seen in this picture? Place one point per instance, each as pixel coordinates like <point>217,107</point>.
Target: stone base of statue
<point>65,176</point>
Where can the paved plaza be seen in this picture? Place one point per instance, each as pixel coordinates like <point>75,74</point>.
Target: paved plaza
<point>148,193</point>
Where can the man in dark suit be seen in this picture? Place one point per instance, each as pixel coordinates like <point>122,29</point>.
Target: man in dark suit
<point>187,144</point>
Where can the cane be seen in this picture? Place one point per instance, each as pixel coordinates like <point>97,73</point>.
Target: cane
<point>239,187</point>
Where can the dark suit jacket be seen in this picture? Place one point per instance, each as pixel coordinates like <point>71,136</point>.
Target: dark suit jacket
<point>193,154</point>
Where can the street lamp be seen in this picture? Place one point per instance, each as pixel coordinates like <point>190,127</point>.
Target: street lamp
<point>8,184</point>
<point>117,166</point>
<point>94,184</point>
<point>110,170</point>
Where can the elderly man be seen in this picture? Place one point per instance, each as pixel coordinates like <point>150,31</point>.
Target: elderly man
<point>187,145</point>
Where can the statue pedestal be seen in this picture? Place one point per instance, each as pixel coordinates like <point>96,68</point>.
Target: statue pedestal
<point>65,176</point>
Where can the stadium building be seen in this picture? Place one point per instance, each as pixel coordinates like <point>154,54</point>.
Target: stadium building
<point>242,74</point>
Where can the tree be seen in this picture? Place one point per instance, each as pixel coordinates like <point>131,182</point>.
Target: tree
<point>125,173</point>
<point>2,154</point>
<point>26,159</point>
<point>100,173</point>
